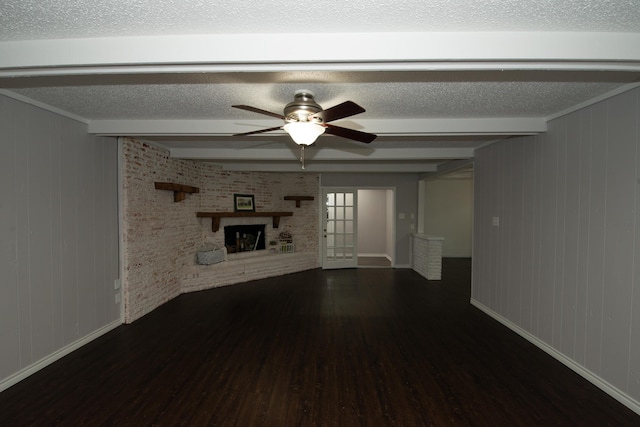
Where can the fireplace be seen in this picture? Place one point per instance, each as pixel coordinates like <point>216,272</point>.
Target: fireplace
<point>243,238</point>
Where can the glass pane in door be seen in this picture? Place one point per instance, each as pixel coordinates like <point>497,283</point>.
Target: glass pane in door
<point>339,229</point>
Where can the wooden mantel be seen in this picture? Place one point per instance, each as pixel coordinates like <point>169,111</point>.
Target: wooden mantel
<point>215,217</point>
<point>179,190</point>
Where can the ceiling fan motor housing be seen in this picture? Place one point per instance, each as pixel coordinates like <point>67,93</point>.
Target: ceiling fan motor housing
<point>302,107</point>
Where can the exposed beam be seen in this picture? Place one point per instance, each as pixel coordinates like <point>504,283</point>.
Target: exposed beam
<point>376,51</point>
<point>398,127</point>
<point>315,166</point>
<point>324,154</point>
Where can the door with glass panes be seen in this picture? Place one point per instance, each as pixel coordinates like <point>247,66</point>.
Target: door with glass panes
<point>339,247</point>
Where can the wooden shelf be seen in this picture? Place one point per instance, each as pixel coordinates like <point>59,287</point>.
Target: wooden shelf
<point>179,190</point>
<point>215,217</point>
<point>298,199</point>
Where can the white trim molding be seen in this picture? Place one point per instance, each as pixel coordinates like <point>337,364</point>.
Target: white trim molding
<point>55,356</point>
<point>608,388</point>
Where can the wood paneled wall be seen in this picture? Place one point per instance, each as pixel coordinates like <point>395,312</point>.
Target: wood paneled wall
<point>58,234</point>
<point>564,262</point>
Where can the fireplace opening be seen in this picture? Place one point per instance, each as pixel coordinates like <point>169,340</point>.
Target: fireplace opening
<point>244,238</point>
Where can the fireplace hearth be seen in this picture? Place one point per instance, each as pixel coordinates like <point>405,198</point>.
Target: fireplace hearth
<point>244,238</point>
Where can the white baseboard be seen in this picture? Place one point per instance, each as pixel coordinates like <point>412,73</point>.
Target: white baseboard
<point>375,255</point>
<point>403,266</point>
<point>611,390</point>
<point>57,355</point>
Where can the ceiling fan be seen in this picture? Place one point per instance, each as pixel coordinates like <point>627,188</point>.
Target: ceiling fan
<point>305,120</point>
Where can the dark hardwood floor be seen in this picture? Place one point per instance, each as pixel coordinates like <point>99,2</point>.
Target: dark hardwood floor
<point>359,347</point>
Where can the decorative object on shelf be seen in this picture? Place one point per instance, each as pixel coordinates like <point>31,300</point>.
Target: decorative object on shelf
<point>285,242</point>
<point>273,245</point>
<point>244,203</point>
<point>215,217</point>
<point>208,255</point>
<point>298,199</point>
<point>179,190</point>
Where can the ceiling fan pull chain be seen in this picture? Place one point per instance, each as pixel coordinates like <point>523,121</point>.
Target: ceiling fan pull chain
<point>302,156</point>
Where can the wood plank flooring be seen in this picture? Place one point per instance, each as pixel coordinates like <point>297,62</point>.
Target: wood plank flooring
<point>357,347</point>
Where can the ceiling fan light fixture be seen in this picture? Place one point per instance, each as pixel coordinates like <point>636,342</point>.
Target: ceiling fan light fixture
<point>304,133</point>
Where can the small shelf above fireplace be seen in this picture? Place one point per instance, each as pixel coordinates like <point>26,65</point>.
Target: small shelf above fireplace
<point>298,199</point>
<point>215,217</point>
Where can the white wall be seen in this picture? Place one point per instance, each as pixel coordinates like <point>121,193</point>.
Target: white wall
<point>563,266</point>
<point>372,222</point>
<point>58,236</point>
<point>448,204</point>
<point>390,239</point>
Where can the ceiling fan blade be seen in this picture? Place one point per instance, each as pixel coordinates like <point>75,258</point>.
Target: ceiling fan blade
<point>259,111</point>
<point>340,111</point>
<point>257,131</point>
<point>356,135</point>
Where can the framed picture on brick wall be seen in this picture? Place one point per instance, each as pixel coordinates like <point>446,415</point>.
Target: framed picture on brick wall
<point>244,203</point>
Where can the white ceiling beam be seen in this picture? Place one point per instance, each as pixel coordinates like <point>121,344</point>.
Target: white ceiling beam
<point>398,127</point>
<point>324,154</point>
<point>375,51</point>
<point>311,166</point>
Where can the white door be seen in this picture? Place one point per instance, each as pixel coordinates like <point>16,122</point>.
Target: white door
<point>339,243</point>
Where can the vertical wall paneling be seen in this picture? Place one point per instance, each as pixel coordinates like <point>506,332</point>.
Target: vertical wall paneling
<point>595,287</point>
<point>548,232</point>
<point>496,231</point>
<point>563,263</point>
<point>21,206</point>
<point>618,260</point>
<point>86,230</point>
<point>572,217</point>
<point>634,332</point>
<point>515,222</point>
<point>540,251</point>
<point>39,232</point>
<point>58,221</point>
<point>9,291</point>
<point>528,234</point>
<point>584,141</point>
<point>502,237</point>
<point>560,204</point>
<point>55,152</point>
<point>69,246</point>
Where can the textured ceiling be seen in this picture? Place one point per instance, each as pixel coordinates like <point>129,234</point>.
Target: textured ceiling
<point>44,19</point>
<point>200,97</point>
<point>437,78</point>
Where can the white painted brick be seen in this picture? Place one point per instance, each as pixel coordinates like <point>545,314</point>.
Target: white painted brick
<point>161,237</point>
<point>427,257</point>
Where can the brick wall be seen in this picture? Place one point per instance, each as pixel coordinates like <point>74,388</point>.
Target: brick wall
<point>269,189</point>
<point>427,256</point>
<point>159,234</point>
<point>161,237</point>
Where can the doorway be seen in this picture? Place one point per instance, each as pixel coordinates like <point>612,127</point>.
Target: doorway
<point>376,242</point>
<point>358,227</point>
